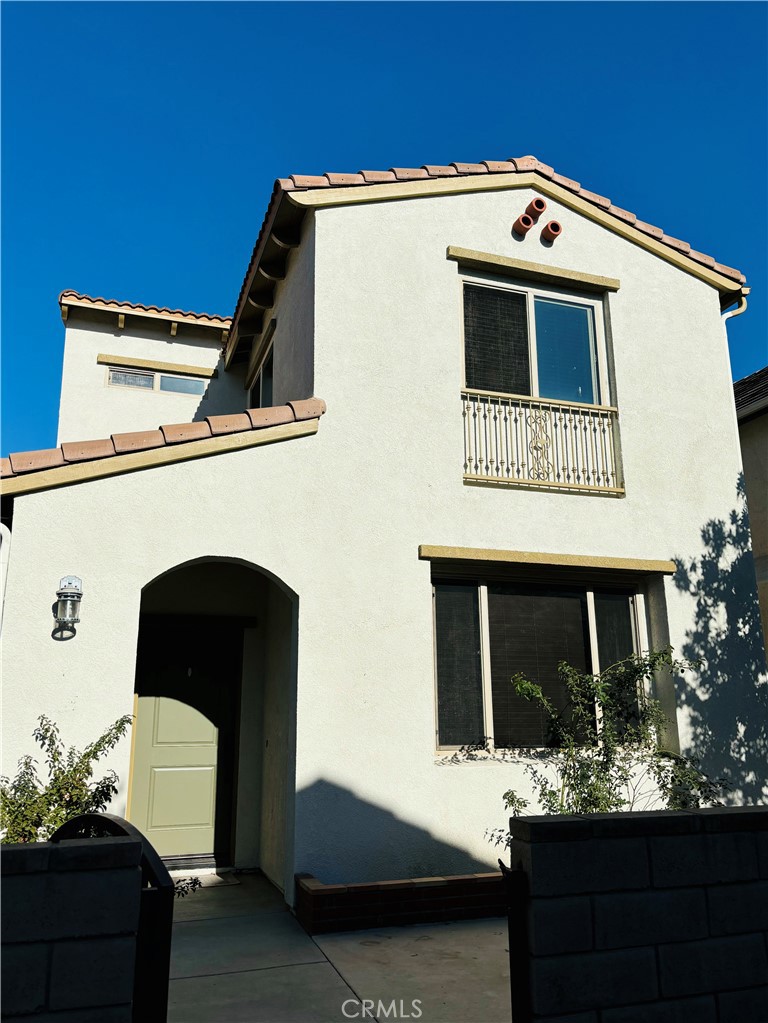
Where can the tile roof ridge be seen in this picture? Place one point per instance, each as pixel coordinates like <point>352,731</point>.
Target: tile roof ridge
<point>513,165</point>
<point>139,306</point>
<point>22,463</point>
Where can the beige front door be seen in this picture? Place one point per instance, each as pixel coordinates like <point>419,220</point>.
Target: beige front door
<point>174,780</point>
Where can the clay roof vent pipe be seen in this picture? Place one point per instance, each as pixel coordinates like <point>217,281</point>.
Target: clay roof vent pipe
<point>522,225</point>
<point>551,231</point>
<point>535,208</point>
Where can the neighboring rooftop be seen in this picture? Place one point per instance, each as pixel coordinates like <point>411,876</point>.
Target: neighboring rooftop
<point>74,298</point>
<point>751,393</point>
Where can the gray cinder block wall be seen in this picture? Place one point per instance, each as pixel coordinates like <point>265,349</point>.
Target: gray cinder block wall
<point>657,917</point>
<point>70,913</point>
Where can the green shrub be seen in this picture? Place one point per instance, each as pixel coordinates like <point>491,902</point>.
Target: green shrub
<point>606,748</point>
<point>31,810</point>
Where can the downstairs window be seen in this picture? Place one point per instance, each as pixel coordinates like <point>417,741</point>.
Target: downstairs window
<point>486,632</point>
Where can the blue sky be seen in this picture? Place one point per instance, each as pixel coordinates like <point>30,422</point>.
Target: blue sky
<point>141,140</point>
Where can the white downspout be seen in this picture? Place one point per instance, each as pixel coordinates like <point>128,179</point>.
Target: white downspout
<point>740,308</point>
<point>5,554</point>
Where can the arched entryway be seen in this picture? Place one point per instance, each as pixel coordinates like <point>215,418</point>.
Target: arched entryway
<point>212,764</point>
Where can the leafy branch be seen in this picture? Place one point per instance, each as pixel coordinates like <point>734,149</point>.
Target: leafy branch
<point>31,810</point>
<point>605,746</point>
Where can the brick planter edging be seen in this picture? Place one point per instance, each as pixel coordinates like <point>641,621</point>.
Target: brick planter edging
<point>321,908</point>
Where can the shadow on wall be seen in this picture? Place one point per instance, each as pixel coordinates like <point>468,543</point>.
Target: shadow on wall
<point>222,396</point>
<point>345,839</point>
<point>729,708</point>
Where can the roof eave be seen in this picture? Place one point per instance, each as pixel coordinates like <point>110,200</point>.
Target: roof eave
<point>318,198</point>
<point>755,408</point>
<point>280,233</point>
<point>73,300</point>
<point>293,197</point>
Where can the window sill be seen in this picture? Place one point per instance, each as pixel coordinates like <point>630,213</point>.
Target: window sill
<point>517,755</point>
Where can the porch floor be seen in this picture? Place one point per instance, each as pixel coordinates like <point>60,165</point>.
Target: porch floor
<point>239,955</point>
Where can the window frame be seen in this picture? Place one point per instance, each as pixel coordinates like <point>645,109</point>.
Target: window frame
<point>258,380</point>
<point>156,376</point>
<point>638,620</point>
<point>531,291</point>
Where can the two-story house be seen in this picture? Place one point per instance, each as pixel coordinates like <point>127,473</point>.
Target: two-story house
<point>529,417</point>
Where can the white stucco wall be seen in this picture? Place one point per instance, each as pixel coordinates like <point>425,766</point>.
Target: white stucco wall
<point>91,409</point>
<point>338,517</point>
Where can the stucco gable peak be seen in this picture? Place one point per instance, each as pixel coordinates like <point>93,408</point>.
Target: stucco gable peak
<point>336,188</point>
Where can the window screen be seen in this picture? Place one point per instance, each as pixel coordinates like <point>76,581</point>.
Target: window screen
<point>529,629</point>
<point>182,385</point>
<point>125,379</point>
<point>496,340</point>
<point>565,351</point>
<point>459,674</point>
<point>531,632</point>
<point>615,642</point>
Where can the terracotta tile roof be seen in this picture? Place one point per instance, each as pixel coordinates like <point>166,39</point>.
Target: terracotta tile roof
<point>71,452</point>
<point>514,165</point>
<point>751,393</point>
<point>139,307</point>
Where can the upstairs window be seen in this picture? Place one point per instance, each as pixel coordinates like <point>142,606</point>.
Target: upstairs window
<point>122,378</point>
<point>533,342</point>
<point>486,632</point>
<point>156,381</point>
<point>181,385</point>
<point>261,392</point>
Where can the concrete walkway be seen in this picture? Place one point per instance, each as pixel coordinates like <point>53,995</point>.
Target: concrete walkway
<point>239,956</point>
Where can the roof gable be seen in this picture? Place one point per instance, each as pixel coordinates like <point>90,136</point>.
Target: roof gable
<point>292,196</point>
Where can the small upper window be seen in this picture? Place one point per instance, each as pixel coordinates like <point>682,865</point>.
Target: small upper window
<point>527,341</point>
<point>122,378</point>
<point>182,385</point>
<point>156,381</point>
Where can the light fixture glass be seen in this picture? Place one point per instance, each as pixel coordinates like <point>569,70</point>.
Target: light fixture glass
<point>69,595</point>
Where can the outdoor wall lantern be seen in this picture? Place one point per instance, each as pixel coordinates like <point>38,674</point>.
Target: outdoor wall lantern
<point>67,606</point>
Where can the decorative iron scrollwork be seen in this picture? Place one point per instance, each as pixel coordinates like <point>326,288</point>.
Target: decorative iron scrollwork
<point>539,421</point>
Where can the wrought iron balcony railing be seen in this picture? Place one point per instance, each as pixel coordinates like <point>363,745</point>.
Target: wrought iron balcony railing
<point>538,443</point>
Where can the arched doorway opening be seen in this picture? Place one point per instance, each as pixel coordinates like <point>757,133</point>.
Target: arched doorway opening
<point>212,763</point>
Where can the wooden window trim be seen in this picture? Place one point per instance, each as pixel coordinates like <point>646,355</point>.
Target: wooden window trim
<point>505,266</point>
<point>152,366</point>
